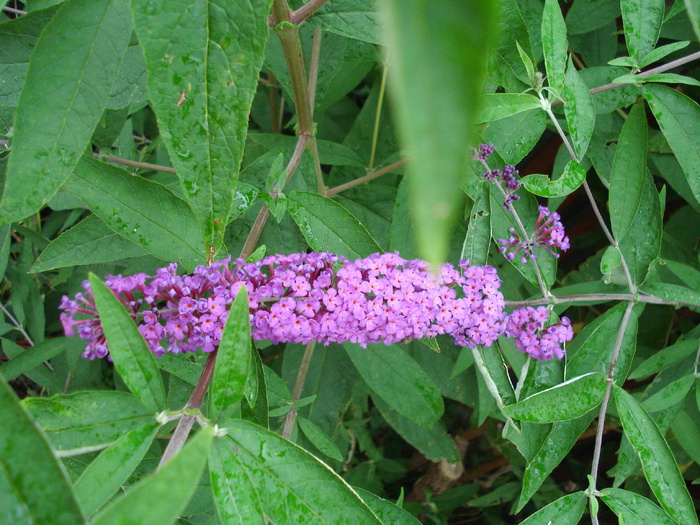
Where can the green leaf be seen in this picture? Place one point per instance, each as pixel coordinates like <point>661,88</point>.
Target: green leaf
<point>254,406</point>
<point>436,130</point>
<point>554,447</point>
<point>514,137</point>
<point>672,78</point>
<point>642,23</point>
<point>579,110</point>
<point>629,172</point>
<point>631,507</point>
<point>132,358</point>
<point>478,239</point>
<point>693,10</point>
<point>396,377</point>
<point>658,463</point>
<point>319,439</point>
<point>161,497</point>
<point>33,357</point>
<point>356,19</point>
<point>662,52</point>
<point>326,225</point>
<point>569,181</point>
<point>642,243</point>
<point>554,44</point>
<point>665,358</point>
<point>298,488</point>
<point>39,488</point>
<point>612,259</point>
<point>87,421</point>
<point>237,500</point>
<point>679,119</point>
<point>18,38</point>
<point>88,242</point>
<point>568,400</point>
<point>592,348</point>
<point>78,68</point>
<point>233,359</point>
<point>674,292</point>
<point>387,512</point>
<point>686,429</point>
<point>107,473</point>
<point>671,394</point>
<point>434,443</point>
<point>567,510</point>
<point>203,60</point>
<point>141,210</point>
<point>502,105</point>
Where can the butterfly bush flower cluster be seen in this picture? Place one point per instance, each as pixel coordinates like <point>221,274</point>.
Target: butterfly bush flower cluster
<point>303,297</point>
<point>548,232</point>
<point>527,327</point>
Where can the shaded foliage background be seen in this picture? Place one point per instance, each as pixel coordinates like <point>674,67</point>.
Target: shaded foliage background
<point>137,133</point>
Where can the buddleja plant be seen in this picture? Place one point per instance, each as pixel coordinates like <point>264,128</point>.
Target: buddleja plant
<point>287,300</point>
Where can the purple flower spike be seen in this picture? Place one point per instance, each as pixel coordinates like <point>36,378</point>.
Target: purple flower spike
<point>549,232</point>
<point>303,297</point>
<point>526,326</point>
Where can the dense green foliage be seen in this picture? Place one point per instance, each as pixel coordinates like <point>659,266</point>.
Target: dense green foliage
<point>137,133</point>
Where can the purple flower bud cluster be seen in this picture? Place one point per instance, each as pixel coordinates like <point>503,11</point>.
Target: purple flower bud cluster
<point>510,184</point>
<point>526,326</point>
<point>549,231</point>
<point>483,151</point>
<point>299,298</point>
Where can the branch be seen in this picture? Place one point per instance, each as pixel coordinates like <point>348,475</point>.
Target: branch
<point>644,74</point>
<point>13,10</point>
<point>606,400</point>
<point>366,178</point>
<point>307,10</point>
<point>184,425</point>
<point>134,163</point>
<point>264,213</point>
<point>298,387</point>
<point>603,297</point>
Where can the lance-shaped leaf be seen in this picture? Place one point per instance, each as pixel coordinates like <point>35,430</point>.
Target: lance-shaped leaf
<point>87,421</point>
<point>642,22</point>
<point>629,172</point>
<point>573,176</point>
<point>237,501</point>
<point>326,225</point>
<point>567,510</point>
<point>37,487</point>
<point>132,358</point>
<point>162,497</point>
<point>579,110</point>
<point>554,43</point>
<point>501,105</point>
<point>568,400</point>
<point>108,472</point>
<point>203,60</point>
<point>437,81</point>
<point>297,487</point>
<point>139,209</point>
<point>233,359</point>
<point>399,380</point>
<point>679,119</point>
<point>90,241</point>
<point>634,508</point>
<point>76,60</point>
<point>17,40</point>
<point>660,467</point>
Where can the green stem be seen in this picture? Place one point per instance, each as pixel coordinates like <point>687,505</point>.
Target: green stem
<point>378,117</point>
<point>606,399</point>
<point>366,178</point>
<point>298,388</point>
